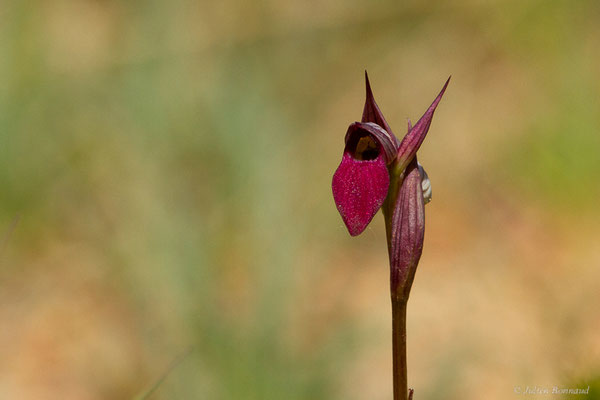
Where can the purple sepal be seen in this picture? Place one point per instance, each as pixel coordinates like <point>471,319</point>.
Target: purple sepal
<point>408,231</point>
<point>415,136</point>
<point>372,113</point>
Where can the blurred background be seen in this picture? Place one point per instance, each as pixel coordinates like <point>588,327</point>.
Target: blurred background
<point>166,217</point>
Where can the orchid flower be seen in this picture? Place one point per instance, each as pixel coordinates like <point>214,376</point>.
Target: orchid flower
<point>380,172</point>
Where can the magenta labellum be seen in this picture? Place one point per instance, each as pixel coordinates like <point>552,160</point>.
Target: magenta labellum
<point>360,184</point>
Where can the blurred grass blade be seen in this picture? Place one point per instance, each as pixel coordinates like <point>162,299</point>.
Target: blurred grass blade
<point>174,364</point>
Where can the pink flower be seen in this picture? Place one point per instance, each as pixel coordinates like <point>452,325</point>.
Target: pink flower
<point>378,171</point>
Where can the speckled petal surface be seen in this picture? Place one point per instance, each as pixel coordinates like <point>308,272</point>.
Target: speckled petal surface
<point>359,189</point>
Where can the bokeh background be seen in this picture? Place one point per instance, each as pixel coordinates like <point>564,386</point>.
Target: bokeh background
<point>166,212</point>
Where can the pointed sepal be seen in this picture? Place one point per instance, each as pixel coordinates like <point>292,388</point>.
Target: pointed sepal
<point>372,113</point>
<point>415,136</point>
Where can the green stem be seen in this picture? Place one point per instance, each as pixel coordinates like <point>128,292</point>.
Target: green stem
<point>399,348</point>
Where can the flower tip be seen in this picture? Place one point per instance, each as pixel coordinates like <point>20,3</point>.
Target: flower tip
<point>439,96</point>
<point>355,230</point>
<point>447,82</point>
<point>368,86</point>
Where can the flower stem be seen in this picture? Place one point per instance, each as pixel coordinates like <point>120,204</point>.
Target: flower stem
<point>399,347</point>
